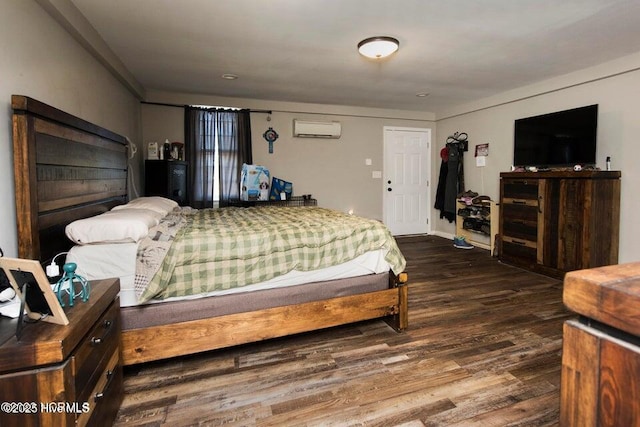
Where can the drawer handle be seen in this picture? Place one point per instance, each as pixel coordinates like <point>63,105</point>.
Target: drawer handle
<point>100,395</point>
<point>107,326</point>
<point>518,242</point>
<point>519,202</point>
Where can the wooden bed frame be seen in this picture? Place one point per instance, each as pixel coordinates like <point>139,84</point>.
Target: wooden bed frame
<point>66,169</point>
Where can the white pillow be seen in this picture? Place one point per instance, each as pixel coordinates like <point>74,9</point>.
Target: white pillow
<point>161,205</point>
<point>147,214</point>
<point>121,226</point>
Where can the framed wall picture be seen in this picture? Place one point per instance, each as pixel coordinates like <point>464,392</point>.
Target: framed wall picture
<point>31,285</point>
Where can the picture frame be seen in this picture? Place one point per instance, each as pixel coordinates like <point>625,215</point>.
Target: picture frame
<point>482,150</point>
<point>34,290</point>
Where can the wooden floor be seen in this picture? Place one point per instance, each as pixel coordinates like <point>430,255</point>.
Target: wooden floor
<point>482,349</point>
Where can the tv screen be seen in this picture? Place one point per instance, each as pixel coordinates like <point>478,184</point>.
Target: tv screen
<point>563,138</point>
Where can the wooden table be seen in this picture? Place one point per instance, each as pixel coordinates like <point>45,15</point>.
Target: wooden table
<point>601,350</point>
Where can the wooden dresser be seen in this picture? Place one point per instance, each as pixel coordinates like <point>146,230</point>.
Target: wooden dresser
<point>65,375</point>
<point>554,222</point>
<point>601,350</point>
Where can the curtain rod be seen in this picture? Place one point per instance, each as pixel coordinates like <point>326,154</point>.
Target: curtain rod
<point>163,104</point>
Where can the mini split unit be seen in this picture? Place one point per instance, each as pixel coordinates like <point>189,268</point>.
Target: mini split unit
<point>309,129</point>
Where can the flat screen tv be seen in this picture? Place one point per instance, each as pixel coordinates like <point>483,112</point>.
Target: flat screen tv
<point>560,139</point>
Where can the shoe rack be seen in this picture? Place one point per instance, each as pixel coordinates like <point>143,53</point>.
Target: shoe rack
<point>481,225</point>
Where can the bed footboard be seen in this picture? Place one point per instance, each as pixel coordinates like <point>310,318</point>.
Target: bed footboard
<point>178,339</point>
<point>399,320</point>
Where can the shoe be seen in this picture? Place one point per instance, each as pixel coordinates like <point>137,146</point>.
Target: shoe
<point>486,229</point>
<point>464,212</point>
<point>471,224</point>
<point>468,193</point>
<point>481,200</point>
<point>461,243</point>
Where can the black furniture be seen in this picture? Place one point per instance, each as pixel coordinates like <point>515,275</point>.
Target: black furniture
<point>166,178</point>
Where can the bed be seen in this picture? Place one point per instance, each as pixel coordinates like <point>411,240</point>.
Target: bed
<point>67,169</point>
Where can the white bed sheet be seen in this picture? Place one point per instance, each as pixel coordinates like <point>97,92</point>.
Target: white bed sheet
<point>104,261</point>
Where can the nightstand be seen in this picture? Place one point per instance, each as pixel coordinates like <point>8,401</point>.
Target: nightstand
<point>65,375</point>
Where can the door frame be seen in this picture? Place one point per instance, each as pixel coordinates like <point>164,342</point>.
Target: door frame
<point>428,132</point>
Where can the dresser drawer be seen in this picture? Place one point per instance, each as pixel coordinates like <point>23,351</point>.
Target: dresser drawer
<point>520,230</point>
<point>519,212</point>
<point>518,250</point>
<point>105,397</point>
<point>520,222</point>
<point>93,354</point>
<point>520,189</point>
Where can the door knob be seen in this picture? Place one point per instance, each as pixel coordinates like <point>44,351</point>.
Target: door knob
<point>389,182</point>
<point>389,189</point>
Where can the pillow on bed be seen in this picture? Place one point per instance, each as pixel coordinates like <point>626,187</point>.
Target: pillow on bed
<point>159,204</point>
<point>121,226</point>
<point>279,186</point>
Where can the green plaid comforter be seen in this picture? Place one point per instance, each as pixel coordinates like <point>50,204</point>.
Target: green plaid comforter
<point>220,249</point>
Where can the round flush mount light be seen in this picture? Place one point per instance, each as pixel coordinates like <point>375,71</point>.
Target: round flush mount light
<point>229,76</point>
<point>378,47</point>
<point>422,94</point>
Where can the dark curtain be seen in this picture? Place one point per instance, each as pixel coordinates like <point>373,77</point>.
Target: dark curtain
<point>232,129</point>
<point>234,148</point>
<point>199,153</point>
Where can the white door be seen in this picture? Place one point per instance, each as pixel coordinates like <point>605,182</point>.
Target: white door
<point>406,176</point>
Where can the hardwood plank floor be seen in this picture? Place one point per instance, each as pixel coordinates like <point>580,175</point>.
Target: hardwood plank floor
<point>483,348</point>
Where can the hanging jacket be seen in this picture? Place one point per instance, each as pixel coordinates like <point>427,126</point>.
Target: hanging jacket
<point>442,182</point>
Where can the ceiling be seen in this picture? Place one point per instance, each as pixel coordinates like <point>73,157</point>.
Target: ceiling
<point>305,51</point>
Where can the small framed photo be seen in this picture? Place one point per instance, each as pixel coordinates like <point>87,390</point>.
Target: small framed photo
<point>32,286</point>
<point>482,150</point>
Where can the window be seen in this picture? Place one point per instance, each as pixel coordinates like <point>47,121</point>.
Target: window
<point>218,143</point>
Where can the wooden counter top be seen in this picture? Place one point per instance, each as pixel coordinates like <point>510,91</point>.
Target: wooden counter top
<point>610,295</point>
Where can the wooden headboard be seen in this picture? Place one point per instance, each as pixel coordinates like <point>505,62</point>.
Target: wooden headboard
<point>65,169</point>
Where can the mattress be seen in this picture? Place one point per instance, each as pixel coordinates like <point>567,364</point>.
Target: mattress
<point>150,315</point>
<point>103,261</point>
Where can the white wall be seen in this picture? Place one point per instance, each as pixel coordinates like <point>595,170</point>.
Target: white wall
<point>614,86</point>
<point>332,170</point>
<point>41,60</point>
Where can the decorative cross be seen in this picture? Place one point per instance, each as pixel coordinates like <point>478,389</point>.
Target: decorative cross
<point>270,135</point>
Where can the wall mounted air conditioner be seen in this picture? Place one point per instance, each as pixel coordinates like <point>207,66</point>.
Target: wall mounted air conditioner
<point>309,129</point>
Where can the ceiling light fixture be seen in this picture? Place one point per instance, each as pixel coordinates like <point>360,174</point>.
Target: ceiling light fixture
<point>378,47</point>
<point>229,76</point>
<point>422,94</point>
